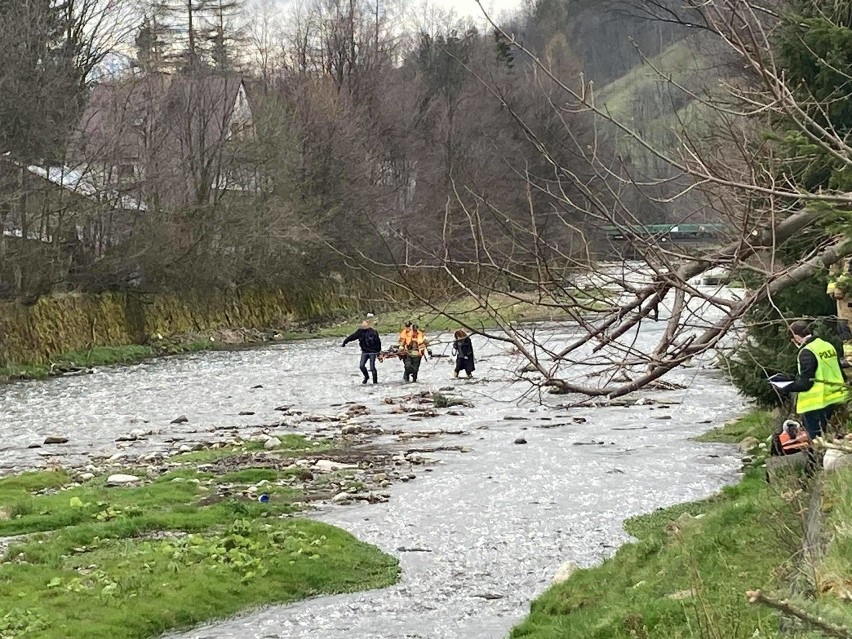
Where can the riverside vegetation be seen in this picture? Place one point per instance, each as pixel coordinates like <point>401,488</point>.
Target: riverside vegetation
<point>688,571</point>
<point>84,559</point>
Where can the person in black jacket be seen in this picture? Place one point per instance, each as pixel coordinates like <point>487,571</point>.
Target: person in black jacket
<point>371,346</point>
<point>463,350</point>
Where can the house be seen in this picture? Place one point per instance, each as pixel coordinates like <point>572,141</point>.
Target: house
<point>167,140</point>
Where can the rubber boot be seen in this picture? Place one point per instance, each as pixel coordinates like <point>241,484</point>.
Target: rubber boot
<point>375,377</point>
<point>366,379</point>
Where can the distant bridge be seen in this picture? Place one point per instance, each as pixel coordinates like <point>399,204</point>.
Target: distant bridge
<point>699,233</point>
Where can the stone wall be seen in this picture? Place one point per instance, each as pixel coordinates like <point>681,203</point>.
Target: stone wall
<point>75,322</point>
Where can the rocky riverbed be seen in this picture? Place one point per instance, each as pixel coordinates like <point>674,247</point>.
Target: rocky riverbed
<point>482,492</point>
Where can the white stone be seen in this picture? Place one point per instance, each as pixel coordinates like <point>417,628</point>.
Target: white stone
<point>86,476</point>
<point>565,571</point>
<point>185,448</point>
<point>341,498</point>
<point>748,444</point>
<point>835,460</point>
<point>121,480</point>
<point>272,443</point>
<point>328,466</point>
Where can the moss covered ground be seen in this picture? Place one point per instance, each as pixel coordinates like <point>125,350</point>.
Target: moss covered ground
<point>82,559</point>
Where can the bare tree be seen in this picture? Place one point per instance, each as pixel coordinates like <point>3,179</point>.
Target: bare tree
<point>735,172</point>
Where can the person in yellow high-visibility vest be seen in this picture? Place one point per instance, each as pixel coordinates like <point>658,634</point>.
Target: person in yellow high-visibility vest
<point>820,384</point>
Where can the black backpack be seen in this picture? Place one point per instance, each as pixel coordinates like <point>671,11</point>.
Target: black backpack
<point>373,342</point>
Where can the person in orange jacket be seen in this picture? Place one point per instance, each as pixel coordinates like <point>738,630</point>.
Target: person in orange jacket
<point>415,346</point>
<point>405,334</point>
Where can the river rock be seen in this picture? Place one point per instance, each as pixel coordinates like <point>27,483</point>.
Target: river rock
<point>244,413</point>
<point>328,466</point>
<point>180,420</point>
<point>342,498</point>
<point>55,439</point>
<point>121,480</point>
<point>86,476</point>
<point>185,448</point>
<point>565,571</point>
<point>784,465</point>
<point>835,460</point>
<point>520,440</point>
<point>272,443</point>
<point>748,444</point>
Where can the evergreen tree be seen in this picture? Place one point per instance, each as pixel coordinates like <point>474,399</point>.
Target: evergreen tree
<point>814,48</point>
<point>41,81</point>
<point>195,33</point>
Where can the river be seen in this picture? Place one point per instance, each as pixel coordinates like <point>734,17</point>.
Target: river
<point>478,536</point>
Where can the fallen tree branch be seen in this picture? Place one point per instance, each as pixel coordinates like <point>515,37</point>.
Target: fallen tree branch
<point>785,607</point>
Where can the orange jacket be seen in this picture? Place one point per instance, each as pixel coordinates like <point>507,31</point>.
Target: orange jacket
<point>404,336</point>
<point>415,343</point>
<point>790,444</point>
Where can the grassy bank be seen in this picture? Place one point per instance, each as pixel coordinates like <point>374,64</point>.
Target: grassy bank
<point>687,574</point>
<point>450,317</point>
<point>133,562</point>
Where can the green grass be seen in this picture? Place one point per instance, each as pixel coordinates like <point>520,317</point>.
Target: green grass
<point>135,588</point>
<point>134,562</point>
<point>759,424</point>
<point>834,571</point>
<point>686,577</point>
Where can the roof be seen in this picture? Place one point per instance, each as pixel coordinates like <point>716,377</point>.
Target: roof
<point>155,111</point>
<point>85,184</point>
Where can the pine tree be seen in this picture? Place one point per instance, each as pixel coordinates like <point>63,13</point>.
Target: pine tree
<point>814,48</point>
<point>195,33</point>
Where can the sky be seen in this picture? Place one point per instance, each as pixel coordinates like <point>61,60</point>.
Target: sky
<point>466,8</point>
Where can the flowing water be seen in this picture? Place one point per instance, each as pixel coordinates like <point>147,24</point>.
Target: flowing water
<point>478,536</point>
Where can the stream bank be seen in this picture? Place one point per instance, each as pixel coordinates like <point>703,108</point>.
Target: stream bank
<point>478,535</point>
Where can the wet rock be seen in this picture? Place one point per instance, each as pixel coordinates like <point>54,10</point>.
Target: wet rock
<point>564,572</point>
<point>579,420</point>
<point>257,386</point>
<point>520,440</point>
<point>244,413</point>
<point>489,596</point>
<point>180,420</point>
<point>122,480</point>
<point>328,466</point>
<point>513,418</point>
<point>835,460</point>
<point>747,444</point>
<point>305,475</point>
<point>284,408</point>
<point>55,439</point>
<point>404,549</point>
<point>34,445</point>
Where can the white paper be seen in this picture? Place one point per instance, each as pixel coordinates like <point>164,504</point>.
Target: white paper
<point>780,385</point>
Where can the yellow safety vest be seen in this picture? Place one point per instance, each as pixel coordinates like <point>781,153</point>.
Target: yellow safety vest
<point>829,386</point>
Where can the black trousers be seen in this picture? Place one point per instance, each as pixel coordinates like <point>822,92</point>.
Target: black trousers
<point>368,357</point>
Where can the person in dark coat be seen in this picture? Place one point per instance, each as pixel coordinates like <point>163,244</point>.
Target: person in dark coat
<point>463,350</point>
<point>371,346</point>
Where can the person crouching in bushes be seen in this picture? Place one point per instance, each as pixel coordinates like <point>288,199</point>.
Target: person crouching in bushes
<point>463,350</point>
